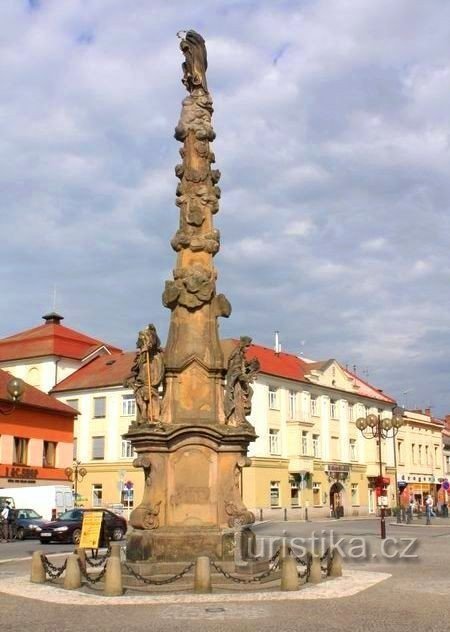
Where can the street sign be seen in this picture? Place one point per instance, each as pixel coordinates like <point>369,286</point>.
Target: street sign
<point>446,485</point>
<point>129,485</point>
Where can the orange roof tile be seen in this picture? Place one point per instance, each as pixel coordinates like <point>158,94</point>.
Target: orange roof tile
<point>50,339</point>
<point>291,367</point>
<point>34,397</point>
<point>100,372</point>
<point>112,370</point>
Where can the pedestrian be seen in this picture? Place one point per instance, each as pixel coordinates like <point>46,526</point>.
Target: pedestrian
<point>429,507</point>
<point>8,519</point>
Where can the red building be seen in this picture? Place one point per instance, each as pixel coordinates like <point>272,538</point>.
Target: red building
<point>36,437</point>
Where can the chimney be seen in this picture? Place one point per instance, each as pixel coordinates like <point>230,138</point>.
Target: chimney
<point>428,412</point>
<point>53,318</point>
<point>277,342</point>
<point>447,422</point>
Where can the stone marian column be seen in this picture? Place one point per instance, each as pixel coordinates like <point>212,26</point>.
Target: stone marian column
<point>191,445</point>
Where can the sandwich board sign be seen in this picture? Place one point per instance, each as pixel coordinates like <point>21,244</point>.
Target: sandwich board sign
<point>90,530</point>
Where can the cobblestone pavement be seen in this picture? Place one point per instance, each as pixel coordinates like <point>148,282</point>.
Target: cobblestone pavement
<point>413,593</point>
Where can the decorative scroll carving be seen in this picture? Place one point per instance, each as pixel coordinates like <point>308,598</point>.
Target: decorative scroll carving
<point>192,287</point>
<point>147,375</point>
<point>208,242</point>
<point>238,393</point>
<point>196,62</point>
<point>196,117</point>
<point>145,515</point>
<point>239,515</point>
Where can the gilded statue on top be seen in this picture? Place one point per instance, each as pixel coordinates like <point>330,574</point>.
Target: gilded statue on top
<point>147,375</point>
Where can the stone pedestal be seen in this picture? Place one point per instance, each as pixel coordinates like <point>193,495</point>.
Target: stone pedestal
<point>192,498</point>
<point>179,544</point>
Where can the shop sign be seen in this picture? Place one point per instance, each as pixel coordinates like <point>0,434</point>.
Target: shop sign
<point>338,467</point>
<point>21,472</point>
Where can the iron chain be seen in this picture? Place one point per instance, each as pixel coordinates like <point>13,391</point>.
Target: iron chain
<point>274,563</point>
<point>99,560</point>
<point>90,579</point>
<point>158,582</point>
<point>51,570</point>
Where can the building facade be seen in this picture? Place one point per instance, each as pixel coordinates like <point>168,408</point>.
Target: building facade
<point>35,438</point>
<point>309,454</point>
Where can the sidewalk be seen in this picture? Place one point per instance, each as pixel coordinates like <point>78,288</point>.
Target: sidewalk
<point>422,522</point>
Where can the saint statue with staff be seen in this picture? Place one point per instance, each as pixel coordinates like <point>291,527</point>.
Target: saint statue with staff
<point>147,375</point>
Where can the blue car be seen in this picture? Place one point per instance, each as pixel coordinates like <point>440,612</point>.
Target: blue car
<point>28,524</point>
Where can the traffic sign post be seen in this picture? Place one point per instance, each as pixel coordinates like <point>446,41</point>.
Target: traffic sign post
<point>129,487</point>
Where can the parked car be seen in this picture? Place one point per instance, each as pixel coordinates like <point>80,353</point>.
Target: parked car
<point>67,528</point>
<point>28,524</point>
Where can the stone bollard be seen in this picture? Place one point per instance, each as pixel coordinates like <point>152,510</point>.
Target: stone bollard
<point>38,575</point>
<point>72,576</point>
<point>289,574</point>
<point>82,557</point>
<point>202,577</point>
<point>284,548</point>
<point>113,576</point>
<point>336,564</point>
<point>315,574</point>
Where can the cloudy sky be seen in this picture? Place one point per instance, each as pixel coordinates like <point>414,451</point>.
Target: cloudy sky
<point>332,121</point>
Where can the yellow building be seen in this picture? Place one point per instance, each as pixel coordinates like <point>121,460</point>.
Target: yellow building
<point>418,456</point>
<point>309,453</point>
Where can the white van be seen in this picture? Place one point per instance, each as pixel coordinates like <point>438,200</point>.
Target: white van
<point>47,500</point>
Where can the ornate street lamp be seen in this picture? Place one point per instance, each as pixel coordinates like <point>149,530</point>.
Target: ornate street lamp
<point>373,427</point>
<point>75,474</point>
<point>15,388</point>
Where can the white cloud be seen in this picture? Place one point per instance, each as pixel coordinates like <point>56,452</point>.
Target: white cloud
<point>333,131</point>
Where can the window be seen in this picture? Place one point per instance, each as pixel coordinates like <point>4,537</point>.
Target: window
<point>427,456</point>
<point>73,403</point>
<point>436,457</point>
<point>128,405</point>
<point>74,453</point>
<point>316,445</point>
<point>99,407</point>
<point>33,377</point>
<point>97,495</point>
<point>314,407</point>
<point>274,441</point>
<point>413,452</point>
<point>355,494</point>
<point>335,453</point>
<point>295,485</point>
<point>333,409</point>
<point>350,412</point>
<point>274,493</point>
<point>292,404</point>
<point>420,454</point>
<point>20,456</point>
<point>273,397</point>
<point>353,455</point>
<point>127,450</point>
<point>304,442</point>
<point>49,454</point>
<point>400,451</point>
<point>317,497</point>
<point>98,448</point>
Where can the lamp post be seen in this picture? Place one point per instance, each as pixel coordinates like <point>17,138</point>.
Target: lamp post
<point>15,389</point>
<point>373,427</point>
<point>75,474</point>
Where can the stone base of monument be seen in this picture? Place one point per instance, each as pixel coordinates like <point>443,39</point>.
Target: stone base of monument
<point>162,571</point>
<point>180,545</point>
